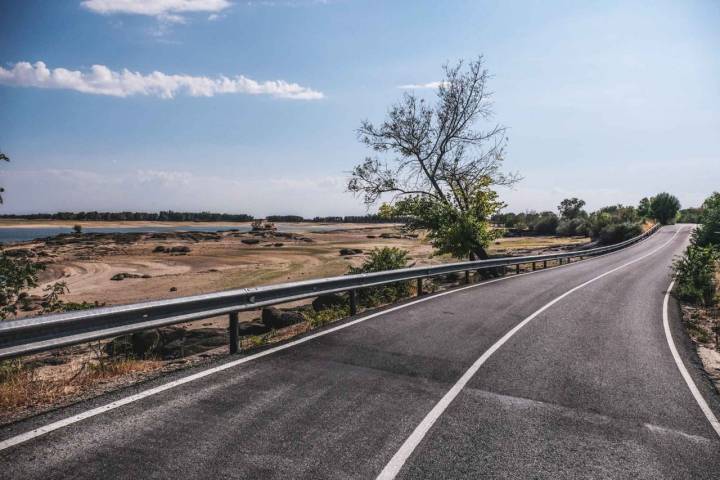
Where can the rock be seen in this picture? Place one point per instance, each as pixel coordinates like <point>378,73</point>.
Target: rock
<point>252,328</point>
<point>180,249</point>
<point>250,241</point>
<point>173,289</point>
<point>306,239</point>
<point>123,275</point>
<point>144,343</point>
<point>166,342</point>
<point>329,300</point>
<point>350,251</point>
<point>279,244</point>
<point>275,318</point>
<point>159,249</point>
<point>371,236</point>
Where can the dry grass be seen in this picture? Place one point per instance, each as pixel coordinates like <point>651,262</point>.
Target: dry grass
<point>26,386</point>
<point>511,244</point>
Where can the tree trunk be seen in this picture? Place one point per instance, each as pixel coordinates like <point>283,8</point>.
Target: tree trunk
<point>479,254</point>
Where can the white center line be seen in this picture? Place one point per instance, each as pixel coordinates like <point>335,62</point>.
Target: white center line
<point>408,447</point>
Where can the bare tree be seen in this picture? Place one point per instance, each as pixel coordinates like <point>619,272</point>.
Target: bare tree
<point>440,159</point>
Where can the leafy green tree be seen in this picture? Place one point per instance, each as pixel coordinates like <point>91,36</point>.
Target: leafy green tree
<point>547,224</point>
<point>664,207</point>
<point>643,208</point>
<point>17,274</point>
<point>441,171</point>
<point>571,208</point>
<point>708,233</point>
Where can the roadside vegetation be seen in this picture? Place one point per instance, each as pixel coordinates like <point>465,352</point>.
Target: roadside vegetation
<point>607,225</point>
<point>697,276</point>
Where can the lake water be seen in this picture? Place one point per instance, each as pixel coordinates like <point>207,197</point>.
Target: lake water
<point>25,234</point>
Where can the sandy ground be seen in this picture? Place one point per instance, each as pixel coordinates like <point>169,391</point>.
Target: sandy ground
<point>87,263</point>
<point>211,265</point>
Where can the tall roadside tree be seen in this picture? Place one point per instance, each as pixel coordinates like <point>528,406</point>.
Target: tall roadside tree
<point>438,169</point>
<point>664,207</point>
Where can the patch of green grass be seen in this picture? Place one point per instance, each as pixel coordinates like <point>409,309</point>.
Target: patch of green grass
<point>323,317</point>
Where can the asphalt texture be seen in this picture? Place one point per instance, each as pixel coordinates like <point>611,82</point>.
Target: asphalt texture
<point>587,389</point>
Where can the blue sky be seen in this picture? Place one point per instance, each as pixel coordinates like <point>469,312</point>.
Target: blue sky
<point>255,105</point>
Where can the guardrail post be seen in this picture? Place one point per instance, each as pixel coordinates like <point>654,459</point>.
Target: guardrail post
<point>517,268</point>
<point>544,263</point>
<point>353,302</point>
<point>534,267</point>
<point>233,333</point>
<point>419,287</point>
<point>467,276</point>
<point>560,261</point>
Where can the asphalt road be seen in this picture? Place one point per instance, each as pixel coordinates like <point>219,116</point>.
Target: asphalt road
<point>587,388</point>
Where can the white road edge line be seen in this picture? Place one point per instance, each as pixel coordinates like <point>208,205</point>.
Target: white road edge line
<point>681,366</point>
<point>24,437</point>
<point>408,447</point>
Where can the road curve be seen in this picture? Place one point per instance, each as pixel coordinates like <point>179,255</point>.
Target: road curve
<point>587,389</point>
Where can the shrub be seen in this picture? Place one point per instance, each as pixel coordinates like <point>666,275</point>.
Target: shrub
<point>546,225</point>
<point>569,228</point>
<point>77,228</point>
<point>619,232</point>
<point>695,274</point>
<point>379,260</point>
<point>323,317</point>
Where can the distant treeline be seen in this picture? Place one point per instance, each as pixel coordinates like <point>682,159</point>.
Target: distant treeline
<point>345,219</point>
<point>170,216</point>
<point>607,225</point>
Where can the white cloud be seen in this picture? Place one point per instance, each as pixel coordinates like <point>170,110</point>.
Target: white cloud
<point>421,86</point>
<point>100,80</point>
<point>155,8</point>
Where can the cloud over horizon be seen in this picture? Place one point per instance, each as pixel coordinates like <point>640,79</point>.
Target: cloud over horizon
<point>100,80</point>
<point>155,8</point>
<point>421,86</point>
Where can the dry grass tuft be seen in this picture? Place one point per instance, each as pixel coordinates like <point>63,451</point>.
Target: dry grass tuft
<point>24,386</point>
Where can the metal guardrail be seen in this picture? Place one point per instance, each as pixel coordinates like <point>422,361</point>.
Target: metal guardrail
<point>32,335</point>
